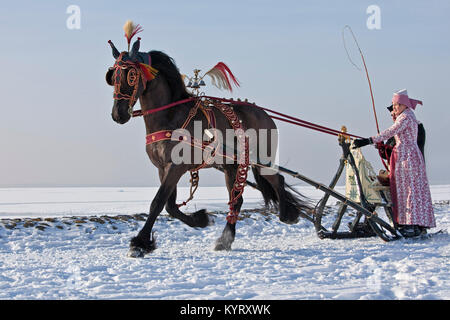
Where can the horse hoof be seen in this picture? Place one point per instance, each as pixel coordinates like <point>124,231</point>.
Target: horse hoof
<point>224,242</point>
<point>210,221</point>
<point>221,246</point>
<point>136,253</point>
<point>227,238</point>
<point>140,247</point>
<point>289,221</point>
<point>202,219</point>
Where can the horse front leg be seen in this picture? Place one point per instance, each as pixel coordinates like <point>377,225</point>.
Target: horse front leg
<point>144,242</point>
<point>229,232</point>
<point>198,219</point>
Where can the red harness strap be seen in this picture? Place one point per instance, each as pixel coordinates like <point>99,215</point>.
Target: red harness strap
<point>243,158</point>
<point>167,135</point>
<point>139,113</point>
<point>235,123</point>
<point>158,136</point>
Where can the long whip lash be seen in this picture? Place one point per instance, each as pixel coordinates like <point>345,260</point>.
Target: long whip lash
<point>365,68</point>
<point>368,79</point>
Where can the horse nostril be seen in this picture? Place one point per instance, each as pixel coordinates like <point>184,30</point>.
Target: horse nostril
<point>120,113</point>
<point>115,114</point>
<point>118,119</point>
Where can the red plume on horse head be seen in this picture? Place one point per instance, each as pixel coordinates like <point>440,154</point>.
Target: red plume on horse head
<point>131,30</point>
<point>135,56</point>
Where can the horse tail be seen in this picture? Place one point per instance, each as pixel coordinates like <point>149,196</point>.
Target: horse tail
<point>268,192</point>
<point>274,188</point>
<point>297,204</point>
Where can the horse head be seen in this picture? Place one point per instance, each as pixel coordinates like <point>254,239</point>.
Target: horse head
<point>129,76</point>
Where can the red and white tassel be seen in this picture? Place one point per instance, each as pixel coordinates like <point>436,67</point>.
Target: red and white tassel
<point>222,77</point>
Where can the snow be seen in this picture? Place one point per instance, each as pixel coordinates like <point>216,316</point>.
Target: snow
<point>269,260</point>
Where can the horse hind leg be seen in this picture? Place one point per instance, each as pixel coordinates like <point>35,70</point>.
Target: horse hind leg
<point>274,190</point>
<point>227,238</point>
<point>229,232</point>
<point>228,235</point>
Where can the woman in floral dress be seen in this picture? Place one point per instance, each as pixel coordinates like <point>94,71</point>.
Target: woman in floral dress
<point>410,191</point>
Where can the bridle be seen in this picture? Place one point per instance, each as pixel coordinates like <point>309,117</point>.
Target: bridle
<point>134,76</point>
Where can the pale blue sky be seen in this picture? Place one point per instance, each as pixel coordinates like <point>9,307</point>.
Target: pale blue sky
<point>56,128</point>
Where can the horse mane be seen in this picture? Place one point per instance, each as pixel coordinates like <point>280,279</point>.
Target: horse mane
<point>167,67</point>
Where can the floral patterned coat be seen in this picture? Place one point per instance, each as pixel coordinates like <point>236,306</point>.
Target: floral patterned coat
<point>410,191</point>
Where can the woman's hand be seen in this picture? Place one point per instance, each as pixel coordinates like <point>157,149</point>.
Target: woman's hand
<point>358,143</point>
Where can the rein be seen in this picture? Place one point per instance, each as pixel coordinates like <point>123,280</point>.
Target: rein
<point>140,113</point>
<point>279,116</point>
<point>289,119</point>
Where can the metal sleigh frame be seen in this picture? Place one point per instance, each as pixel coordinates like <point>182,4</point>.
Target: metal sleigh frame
<point>373,224</point>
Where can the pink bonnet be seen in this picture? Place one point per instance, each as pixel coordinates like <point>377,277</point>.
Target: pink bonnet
<point>401,97</point>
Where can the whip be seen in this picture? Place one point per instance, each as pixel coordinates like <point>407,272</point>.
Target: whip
<point>365,68</point>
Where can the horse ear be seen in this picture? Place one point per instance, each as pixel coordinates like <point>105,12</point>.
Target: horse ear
<point>109,76</point>
<point>115,52</point>
<point>135,49</point>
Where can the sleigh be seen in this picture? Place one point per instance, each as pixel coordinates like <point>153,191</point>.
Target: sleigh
<point>365,196</point>
<point>366,200</point>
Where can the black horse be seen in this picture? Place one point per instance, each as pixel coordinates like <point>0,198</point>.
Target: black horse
<point>167,87</point>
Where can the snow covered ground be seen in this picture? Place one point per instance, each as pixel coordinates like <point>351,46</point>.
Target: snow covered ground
<point>71,257</point>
